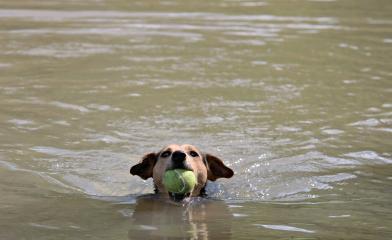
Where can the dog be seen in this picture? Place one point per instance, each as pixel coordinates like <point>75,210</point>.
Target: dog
<point>204,165</point>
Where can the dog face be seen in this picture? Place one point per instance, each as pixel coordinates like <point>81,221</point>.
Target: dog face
<point>204,166</point>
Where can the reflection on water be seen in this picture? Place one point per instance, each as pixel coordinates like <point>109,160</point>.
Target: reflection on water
<point>200,219</point>
<point>295,96</point>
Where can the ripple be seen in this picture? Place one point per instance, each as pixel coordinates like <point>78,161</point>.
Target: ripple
<point>103,107</point>
<point>21,122</point>
<point>45,226</point>
<point>57,15</point>
<point>152,59</point>
<point>284,228</point>
<point>129,24</point>
<point>103,138</point>
<point>5,65</point>
<point>372,122</point>
<point>67,50</point>
<point>369,155</point>
<point>340,216</point>
<point>333,131</point>
<point>70,106</point>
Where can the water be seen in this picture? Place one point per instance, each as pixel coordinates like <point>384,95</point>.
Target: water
<point>295,96</point>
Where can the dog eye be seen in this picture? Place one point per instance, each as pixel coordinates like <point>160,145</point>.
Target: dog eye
<point>193,154</point>
<point>165,154</point>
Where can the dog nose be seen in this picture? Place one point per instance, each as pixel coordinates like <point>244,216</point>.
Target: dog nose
<point>178,157</point>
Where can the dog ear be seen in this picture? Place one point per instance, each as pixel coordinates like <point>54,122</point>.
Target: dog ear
<point>216,168</point>
<point>144,168</point>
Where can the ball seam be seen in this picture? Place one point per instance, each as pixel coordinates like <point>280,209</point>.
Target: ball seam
<point>182,180</point>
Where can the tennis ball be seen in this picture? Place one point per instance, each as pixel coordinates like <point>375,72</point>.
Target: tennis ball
<point>179,181</point>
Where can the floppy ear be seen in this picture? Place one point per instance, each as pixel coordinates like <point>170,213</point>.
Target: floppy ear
<point>216,168</point>
<point>144,168</point>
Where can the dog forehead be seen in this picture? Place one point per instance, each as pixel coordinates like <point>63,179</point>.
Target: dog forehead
<point>189,147</point>
<point>184,147</point>
<point>172,147</point>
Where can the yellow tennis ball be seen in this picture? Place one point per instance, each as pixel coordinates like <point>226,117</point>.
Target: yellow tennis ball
<point>179,181</point>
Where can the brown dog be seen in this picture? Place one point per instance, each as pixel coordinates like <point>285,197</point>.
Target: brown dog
<point>204,166</point>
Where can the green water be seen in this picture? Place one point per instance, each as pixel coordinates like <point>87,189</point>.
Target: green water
<point>295,96</point>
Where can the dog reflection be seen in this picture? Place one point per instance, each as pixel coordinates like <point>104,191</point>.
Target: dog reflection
<point>161,218</point>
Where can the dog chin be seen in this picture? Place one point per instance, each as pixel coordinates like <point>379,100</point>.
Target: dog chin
<point>176,197</point>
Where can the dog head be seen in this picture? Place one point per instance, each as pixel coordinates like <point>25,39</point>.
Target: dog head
<point>205,167</point>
